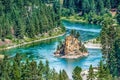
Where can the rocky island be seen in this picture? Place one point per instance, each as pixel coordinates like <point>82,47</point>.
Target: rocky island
<point>72,47</point>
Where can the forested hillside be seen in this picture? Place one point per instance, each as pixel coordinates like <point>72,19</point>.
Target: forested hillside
<point>87,6</point>
<point>20,19</point>
<point>90,11</point>
<point>27,18</point>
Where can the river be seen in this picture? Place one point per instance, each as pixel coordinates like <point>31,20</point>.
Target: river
<point>44,50</point>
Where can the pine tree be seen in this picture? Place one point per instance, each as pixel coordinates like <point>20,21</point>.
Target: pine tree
<point>91,75</point>
<point>47,70</point>
<point>55,75</point>
<point>60,75</point>
<point>65,3</point>
<point>92,6</point>
<point>118,18</point>
<point>77,34</point>
<point>73,32</point>
<point>118,9</point>
<point>16,71</point>
<point>107,4</point>
<point>64,75</point>
<point>76,73</point>
<point>85,6</point>
<point>71,4</point>
<point>5,69</point>
<point>57,10</point>
<point>33,70</point>
<point>101,71</point>
<point>40,70</point>
<point>100,7</point>
<point>117,55</point>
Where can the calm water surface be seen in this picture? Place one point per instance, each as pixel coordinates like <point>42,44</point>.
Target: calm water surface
<point>44,50</point>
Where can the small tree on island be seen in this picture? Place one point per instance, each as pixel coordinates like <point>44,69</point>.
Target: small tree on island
<point>75,33</point>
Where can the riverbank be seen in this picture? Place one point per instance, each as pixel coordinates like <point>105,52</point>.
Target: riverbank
<point>1,56</point>
<point>74,19</point>
<point>93,44</point>
<point>91,19</point>
<point>10,47</point>
<point>58,34</point>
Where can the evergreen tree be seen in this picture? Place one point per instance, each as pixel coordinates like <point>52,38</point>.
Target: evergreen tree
<point>113,3</point>
<point>73,32</point>
<point>64,75</point>
<point>55,75</point>
<point>91,75</point>
<point>92,6</point>
<point>47,70</point>
<point>101,71</point>
<point>60,75</point>
<point>118,18</point>
<point>76,73</point>
<point>71,4</point>
<point>77,34</point>
<point>16,71</point>
<point>65,3</point>
<point>57,9</point>
<point>117,55</point>
<point>100,6</point>
<point>40,70</point>
<point>85,6</point>
<point>33,70</point>
<point>107,4</point>
<point>118,9</point>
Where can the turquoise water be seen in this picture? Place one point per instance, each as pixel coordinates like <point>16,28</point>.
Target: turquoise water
<point>44,50</point>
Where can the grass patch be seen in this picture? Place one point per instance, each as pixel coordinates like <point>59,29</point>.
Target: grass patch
<point>76,19</point>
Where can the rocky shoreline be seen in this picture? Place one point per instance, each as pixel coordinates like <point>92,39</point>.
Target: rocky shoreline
<point>72,47</point>
<point>72,56</point>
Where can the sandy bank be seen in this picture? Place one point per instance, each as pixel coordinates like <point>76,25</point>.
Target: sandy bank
<point>2,56</point>
<point>92,45</point>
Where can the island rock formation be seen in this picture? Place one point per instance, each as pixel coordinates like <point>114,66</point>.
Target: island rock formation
<point>71,48</point>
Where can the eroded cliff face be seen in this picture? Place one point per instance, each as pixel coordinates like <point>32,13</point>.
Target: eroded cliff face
<point>71,47</point>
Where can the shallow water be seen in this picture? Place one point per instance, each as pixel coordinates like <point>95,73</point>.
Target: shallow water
<point>44,50</point>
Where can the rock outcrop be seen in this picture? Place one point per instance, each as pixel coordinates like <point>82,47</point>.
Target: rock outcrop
<point>71,48</point>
